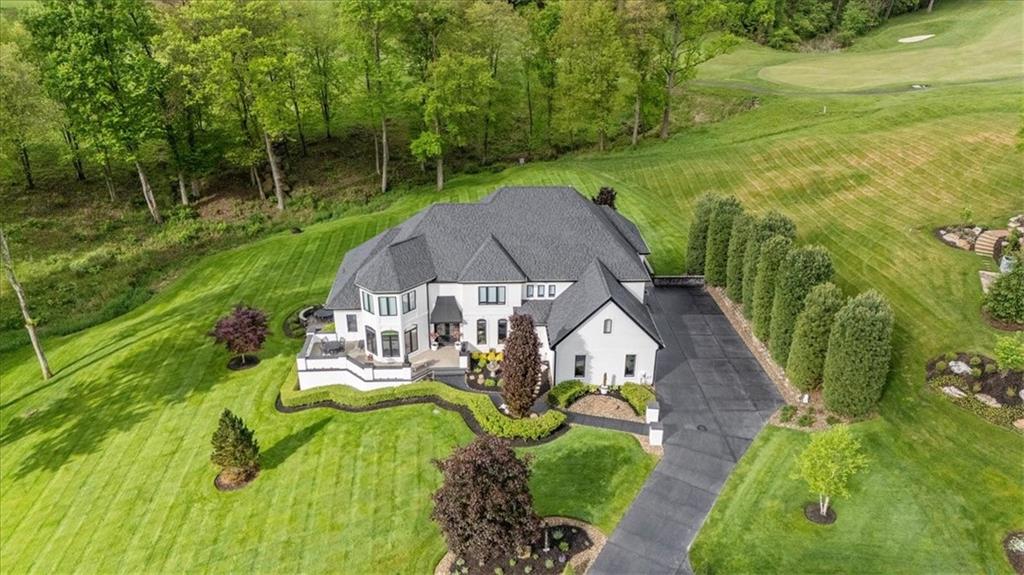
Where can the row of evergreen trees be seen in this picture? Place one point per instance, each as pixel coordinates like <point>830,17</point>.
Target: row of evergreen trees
<point>812,330</point>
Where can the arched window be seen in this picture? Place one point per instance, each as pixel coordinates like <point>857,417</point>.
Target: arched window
<point>502,330</point>
<point>607,326</point>
<point>389,344</point>
<point>481,332</point>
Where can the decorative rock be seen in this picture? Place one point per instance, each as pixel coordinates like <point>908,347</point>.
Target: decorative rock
<point>987,400</point>
<point>953,391</point>
<point>986,279</point>
<point>1021,394</point>
<point>959,367</point>
<point>1019,424</point>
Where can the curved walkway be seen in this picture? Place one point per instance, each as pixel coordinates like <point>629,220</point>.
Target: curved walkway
<point>714,399</point>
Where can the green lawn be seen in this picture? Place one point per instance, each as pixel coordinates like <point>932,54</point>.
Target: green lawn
<point>104,468</point>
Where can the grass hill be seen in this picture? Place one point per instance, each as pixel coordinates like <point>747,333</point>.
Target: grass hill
<point>105,467</point>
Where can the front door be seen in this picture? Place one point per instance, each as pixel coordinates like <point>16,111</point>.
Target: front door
<point>444,332</point>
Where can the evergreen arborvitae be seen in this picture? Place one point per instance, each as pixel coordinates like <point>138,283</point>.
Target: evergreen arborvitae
<point>810,336</point>
<point>741,226</point>
<point>803,268</point>
<point>859,350</point>
<point>770,258</point>
<point>771,224</point>
<point>716,255</point>
<point>521,366</point>
<point>698,239</point>
<point>234,448</point>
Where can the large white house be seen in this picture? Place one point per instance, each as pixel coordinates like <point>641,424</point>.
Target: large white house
<point>415,300</point>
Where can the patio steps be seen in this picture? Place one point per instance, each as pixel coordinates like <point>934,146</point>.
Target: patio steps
<point>987,241</point>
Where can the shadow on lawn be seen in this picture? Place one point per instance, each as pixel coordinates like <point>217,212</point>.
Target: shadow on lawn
<point>289,444</point>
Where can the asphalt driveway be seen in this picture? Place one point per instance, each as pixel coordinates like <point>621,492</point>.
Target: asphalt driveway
<point>714,399</point>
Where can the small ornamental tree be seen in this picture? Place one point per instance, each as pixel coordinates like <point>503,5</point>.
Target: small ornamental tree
<point>803,268</point>
<point>737,247</point>
<point>770,258</point>
<point>521,367</point>
<point>716,255</point>
<point>1010,352</point>
<point>828,463</point>
<point>1005,298</point>
<point>605,197</point>
<point>698,238</point>
<point>484,506</point>
<point>810,336</point>
<point>242,331</point>
<point>859,349</point>
<point>235,449</point>
<point>771,224</point>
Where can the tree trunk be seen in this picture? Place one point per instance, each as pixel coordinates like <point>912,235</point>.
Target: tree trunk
<point>30,324</point>
<point>384,155</point>
<point>194,184</point>
<point>600,139</point>
<point>257,181</point>
<point>298,123</point>
<point>931,4</point>
<point>529,112</point>
<point>181,189</point>
<point>636,117</point>
<point>26,165</point>
<point>550,106</point>
<point>670,80</point>
<point>823,504</point>
<point>440,172</point>
<point>888,9</point>
<point>376,151</point>
<point>275,171</point>
<point>76,158</point>
<point>487,133</point>
<point>147,192</point>
<point>108,177</point>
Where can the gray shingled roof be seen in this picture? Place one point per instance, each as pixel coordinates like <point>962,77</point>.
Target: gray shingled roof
<point>628,230</point>
<point>491,263</point>
<point>596,287</point>
<point>538,309</point>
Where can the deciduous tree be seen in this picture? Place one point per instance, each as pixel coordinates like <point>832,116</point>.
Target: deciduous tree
<point>30,324</point>
<point>242,331</point>
<point>24,108</point>
<point>521,366</point>
<point>829,462</point>
<point>484,506</point>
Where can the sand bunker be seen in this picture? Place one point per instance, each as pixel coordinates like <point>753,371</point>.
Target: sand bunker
<point>912,39</point>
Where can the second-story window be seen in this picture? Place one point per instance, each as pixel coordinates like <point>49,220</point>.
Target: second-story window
<point>529,290</point>
<point>551,290</point>
<point>367,303</point>
<point>491,295</point>
<point>502,330</point>
<point>387,305</point>
<point>408,301</point>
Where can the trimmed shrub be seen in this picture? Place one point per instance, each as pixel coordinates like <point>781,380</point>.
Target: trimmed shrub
<point>787,413</point>
<point>565,393</point>
<point>716,257</point>
<point>741,225</point>
<point>1010,352</point>
<point>637,396</point>
<point>698,238</point>
<point>1005,299</point>
<point>975,372</point>
<point>772,254</point>
<point>859,350</point>
<point>941,366</point>
<point>803,268</point>
<point>810,336</point>
<point>521,366</point>
<point>771,224</point>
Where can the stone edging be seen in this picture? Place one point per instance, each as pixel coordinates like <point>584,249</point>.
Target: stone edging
<point>580,562</point>
<point>467,415</point>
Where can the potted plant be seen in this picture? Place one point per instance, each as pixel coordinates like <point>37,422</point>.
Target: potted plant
<point>1011,253</point>
<point>433,341</point>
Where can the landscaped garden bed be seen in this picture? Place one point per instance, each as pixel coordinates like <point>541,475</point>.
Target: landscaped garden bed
<point>559,545</point>
<point>627,402</point>
<point>975,382</point>
<point>485,373</point>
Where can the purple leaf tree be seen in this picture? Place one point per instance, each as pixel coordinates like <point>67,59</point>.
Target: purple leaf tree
<point>242,331</point>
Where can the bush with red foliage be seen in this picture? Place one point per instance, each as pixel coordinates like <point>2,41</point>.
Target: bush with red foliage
<point>521,367</point>
<point>242,331</point>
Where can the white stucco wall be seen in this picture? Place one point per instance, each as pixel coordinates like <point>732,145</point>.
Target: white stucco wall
<point>606,353</point>
<point>400,322</point>
<point>637,289</point>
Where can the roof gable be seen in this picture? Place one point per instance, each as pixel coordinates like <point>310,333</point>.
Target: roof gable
<point>491,262</point>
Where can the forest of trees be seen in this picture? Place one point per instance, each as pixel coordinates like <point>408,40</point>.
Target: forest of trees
<point>191,88</point>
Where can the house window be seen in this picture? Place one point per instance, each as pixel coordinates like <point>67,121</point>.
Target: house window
<point>389,344</point>
<point>630,365</point>
<point>367,302</point>
<point>551,290</point>
<point>387,305</point>
<point>580,369</point>
<point>481,332</point>
<point>350,322</point>
<point>491,295</point>
<point>502,330</point>
<point>408,302</point>
<point>607,326</point>
<point>540,291</point>
<point>371,341</point>
<point>529,290</point>
<point>412,340</point>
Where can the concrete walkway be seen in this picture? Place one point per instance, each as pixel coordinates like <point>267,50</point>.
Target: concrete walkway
<point>714,399</point>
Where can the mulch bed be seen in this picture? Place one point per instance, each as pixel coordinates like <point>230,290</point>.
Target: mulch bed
<point>235,363</point>
<point>1013,544</point>
<point>612,405</point>
<point>1000,324</point>
<point>471,381</point>
<point>224,485</point>
<point>992,383</point>
<point>577,539</point>
<point>463,411</point>
<point>812,511</point>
